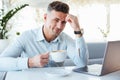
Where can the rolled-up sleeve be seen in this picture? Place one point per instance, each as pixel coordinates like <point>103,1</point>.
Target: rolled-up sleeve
<point>78,52</point>
<point>9,63</point>
<point>9,58</point>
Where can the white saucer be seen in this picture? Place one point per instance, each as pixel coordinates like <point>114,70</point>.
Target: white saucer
<point>58,73</point>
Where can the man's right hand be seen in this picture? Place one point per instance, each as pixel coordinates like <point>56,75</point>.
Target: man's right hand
<point>39,60</point>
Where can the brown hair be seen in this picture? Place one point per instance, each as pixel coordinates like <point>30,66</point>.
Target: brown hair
<point>58,6</point>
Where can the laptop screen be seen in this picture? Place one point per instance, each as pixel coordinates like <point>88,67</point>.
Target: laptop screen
<point>112,58</point>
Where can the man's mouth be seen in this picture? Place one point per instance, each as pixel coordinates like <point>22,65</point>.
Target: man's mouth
<point>57,30</point>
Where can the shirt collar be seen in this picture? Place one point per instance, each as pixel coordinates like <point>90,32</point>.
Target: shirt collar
<point>40,36</point>
<point>56,39</point>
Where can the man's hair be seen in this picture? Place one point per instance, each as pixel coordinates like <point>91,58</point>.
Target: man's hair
<point>58,6</point>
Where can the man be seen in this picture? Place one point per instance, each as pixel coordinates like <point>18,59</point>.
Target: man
<point>32,48</point>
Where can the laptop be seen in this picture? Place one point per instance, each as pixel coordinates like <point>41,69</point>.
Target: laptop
<point>110,63</point>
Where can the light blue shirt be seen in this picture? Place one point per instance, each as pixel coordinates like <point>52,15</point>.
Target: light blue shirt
<point>32,43</point>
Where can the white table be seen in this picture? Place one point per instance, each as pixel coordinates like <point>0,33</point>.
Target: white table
<point>39,74</point>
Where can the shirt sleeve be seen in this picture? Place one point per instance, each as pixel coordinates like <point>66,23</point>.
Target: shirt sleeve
<point>9,63</point>
<point>78,51</point>
<point>9,58</point>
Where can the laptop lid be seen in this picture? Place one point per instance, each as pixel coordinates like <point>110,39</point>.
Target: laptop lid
<point>112,57</point>
<point>110,63</point>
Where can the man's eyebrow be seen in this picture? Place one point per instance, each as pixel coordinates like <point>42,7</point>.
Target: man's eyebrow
<point>60,20</point>
<point>57,18</point>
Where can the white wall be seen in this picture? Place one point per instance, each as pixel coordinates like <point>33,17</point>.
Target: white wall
<point>90,17</point>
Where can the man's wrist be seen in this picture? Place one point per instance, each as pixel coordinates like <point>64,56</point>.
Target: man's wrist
<point>78,33</point>
<point>30,63</point>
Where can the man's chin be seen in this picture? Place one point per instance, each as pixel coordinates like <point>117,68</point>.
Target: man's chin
<point>56,34</point>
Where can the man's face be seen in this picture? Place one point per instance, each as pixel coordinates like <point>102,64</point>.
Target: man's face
<point>55,22</point>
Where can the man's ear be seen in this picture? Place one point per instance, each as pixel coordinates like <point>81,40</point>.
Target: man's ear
<point>45,16</point>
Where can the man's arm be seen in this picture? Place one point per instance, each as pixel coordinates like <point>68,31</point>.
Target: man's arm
<point>9,58</point>
<point>9,63</point>
<point>78,51</point>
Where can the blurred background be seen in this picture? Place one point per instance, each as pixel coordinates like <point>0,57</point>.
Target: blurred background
<point>100,19</point>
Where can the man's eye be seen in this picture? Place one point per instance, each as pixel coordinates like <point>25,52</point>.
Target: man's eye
<point>63,22</point>
<point>56,20</point>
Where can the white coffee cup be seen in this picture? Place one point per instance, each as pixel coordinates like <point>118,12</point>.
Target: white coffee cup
<point>58,56</point>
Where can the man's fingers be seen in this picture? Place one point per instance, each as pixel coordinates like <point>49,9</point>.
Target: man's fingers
<point>44,56</point>
<point>44,60</point>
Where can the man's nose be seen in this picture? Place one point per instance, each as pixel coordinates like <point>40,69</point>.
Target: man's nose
<point>60,25</point>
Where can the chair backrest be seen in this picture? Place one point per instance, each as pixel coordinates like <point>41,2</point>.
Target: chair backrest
<point>96,49</point>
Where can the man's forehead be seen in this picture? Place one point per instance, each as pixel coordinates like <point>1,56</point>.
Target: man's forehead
<point>58,15</point>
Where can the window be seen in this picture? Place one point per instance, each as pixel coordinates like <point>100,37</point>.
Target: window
<point>91,18</point>
<point>0,9</point>
<point>95,16</point>
<point>115,22</point>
